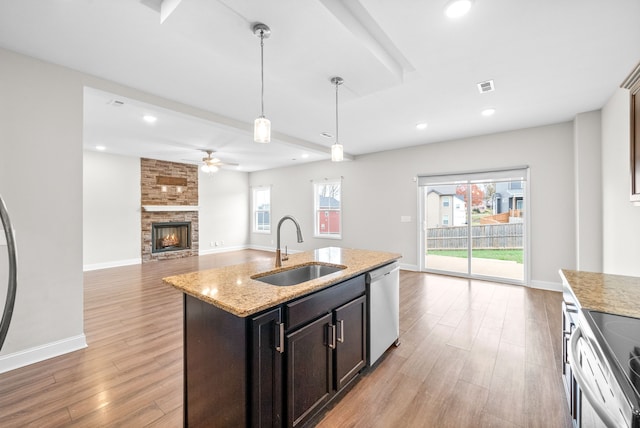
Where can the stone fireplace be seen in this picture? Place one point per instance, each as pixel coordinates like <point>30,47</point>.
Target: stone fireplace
<point>169,200</point>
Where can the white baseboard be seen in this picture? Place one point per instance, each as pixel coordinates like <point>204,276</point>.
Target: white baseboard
<point>202,252</point>
<point>116,263</point>
<point>40,353</point>
<point>406,266</point>
<point>545,285</point>
<point>261,248</point>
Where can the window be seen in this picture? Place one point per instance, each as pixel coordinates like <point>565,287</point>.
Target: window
<point>262,209</point>
<point>445,220</point>
<point>445,201</point>
<point>327,195</point>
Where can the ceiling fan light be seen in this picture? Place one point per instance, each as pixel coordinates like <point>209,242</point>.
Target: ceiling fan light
<point>337,153</point>
<point>204,168</point>
<point>262,130</point>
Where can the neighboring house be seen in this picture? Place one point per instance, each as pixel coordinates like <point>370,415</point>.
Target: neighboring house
<point>509,195</point>
<point>328,215</point>
<point>508,202</point>
<point>445,208</point>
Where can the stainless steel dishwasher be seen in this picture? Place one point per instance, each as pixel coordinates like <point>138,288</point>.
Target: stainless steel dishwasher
<point>383,291</point>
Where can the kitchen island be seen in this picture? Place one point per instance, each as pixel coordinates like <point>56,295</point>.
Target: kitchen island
<point>257,354</point>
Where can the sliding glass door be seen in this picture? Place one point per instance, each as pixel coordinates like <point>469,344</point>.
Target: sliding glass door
<point>474,224</point>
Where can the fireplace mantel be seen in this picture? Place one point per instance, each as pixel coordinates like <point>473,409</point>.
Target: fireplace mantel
<point>169,208</point>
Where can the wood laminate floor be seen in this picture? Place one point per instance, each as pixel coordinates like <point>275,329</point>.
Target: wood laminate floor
<point>472,353</point>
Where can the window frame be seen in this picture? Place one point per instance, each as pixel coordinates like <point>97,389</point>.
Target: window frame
<point>316,209</point>
<point>254,211</point>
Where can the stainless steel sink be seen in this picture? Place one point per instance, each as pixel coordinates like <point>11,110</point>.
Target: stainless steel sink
<point>298,275</point>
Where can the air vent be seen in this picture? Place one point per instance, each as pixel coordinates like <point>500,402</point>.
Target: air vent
<point>116,103</point>
<point>486,86</point>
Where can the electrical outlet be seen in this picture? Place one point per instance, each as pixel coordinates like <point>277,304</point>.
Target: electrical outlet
<point>211,244</point>
<point>217,243</point>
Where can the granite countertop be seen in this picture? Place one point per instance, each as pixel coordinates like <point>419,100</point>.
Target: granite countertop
<point>615,294</point>
<point>231,288</point>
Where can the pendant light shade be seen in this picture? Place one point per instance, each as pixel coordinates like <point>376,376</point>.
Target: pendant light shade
<point>262,130</point>
<point>262,125</point>
<point>337,152</point>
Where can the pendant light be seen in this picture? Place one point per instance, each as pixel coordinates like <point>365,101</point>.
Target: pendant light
<point>337,153</point>
<point>262,125</point>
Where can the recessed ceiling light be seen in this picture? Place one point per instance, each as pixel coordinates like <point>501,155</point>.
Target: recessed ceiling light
<point>101,148</point>
<point>457,8</point>
<point>488,112</point>
<point>422,125</point>
<point>304,155</point>
<point>149,118</point>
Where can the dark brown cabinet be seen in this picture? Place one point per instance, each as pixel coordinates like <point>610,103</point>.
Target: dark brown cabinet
<point>276,368</point>
<point>309,370</point>
<point>266,369</point>
<point>351,334</point>
<point>322,357</point>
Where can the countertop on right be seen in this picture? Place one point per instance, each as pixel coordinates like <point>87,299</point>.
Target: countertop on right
<point>614,294</point>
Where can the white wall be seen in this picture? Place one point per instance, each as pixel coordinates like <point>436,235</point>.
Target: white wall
<point>588,190</point>
<point>621,219</point>
<point>379,188</point>
<point>41,182</point>
<point>111,210</point>
<point>224,210</point>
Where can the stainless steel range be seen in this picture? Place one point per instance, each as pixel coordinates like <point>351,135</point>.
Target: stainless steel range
<point>604,354</point>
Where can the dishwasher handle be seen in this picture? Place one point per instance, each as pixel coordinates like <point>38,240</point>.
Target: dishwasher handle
<point>377,274</point>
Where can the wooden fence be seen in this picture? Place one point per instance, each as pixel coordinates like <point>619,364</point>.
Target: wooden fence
<point>487,236</point>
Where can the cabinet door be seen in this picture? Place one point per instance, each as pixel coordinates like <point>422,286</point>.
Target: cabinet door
<point>266,366</point>
<point>351,333</point>
<point>309,368</point>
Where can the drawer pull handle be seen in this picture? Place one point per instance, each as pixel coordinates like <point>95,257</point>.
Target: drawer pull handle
<point>341,337</point>
<point>332,332</point>
<point>280,337</point>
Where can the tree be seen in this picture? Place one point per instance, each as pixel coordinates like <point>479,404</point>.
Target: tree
<point>477,194</point>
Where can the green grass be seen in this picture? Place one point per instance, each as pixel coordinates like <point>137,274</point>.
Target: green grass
<point>511,255</point>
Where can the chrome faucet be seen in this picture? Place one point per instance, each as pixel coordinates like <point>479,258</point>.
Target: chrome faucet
<point>278,257</point>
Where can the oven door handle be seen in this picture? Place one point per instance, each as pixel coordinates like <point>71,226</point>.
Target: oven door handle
<point>585,386</point>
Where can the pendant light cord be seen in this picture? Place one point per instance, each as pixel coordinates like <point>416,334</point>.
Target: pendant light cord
<point>262,73</point>
<point>337,83</point>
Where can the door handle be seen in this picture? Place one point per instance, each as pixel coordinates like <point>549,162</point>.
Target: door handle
<point>341,331</point>
<point>280,337</point>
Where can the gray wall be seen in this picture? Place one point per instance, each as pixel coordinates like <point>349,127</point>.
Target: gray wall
<point>111,210</point>
<point>41,182</point>
<point>224,210</point>
<point>620,219</point>
<point>588,188</point>
<point>379,188</point>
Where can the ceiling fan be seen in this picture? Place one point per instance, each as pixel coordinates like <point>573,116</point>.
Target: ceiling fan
<point>212,164</point>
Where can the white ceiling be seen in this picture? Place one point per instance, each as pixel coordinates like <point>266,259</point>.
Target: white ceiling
<point>403,62</point>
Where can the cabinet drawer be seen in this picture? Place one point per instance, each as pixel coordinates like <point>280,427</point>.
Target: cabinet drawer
<point>310,307</point>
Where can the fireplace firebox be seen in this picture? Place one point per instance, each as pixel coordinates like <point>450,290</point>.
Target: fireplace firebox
<point>171,236</point>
